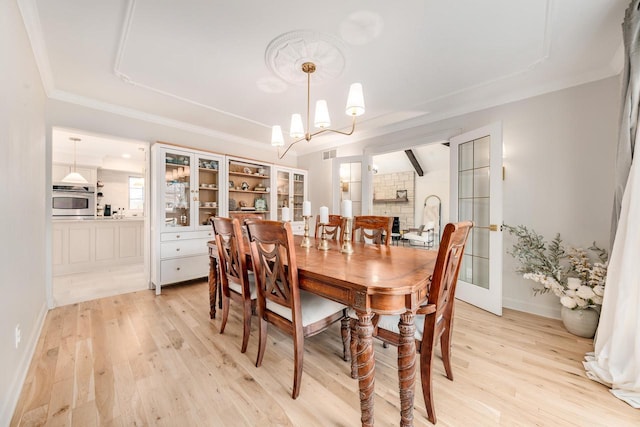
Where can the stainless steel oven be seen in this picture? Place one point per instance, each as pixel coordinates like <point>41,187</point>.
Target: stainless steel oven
<point>73,201</point>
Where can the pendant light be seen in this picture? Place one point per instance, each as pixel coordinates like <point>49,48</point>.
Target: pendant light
<point>74,177</point>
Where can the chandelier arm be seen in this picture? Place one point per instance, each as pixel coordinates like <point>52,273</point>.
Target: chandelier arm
<point>353,128</point>
<point>280,156</point>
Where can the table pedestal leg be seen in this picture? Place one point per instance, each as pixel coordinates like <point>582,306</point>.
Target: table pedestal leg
<point>213,286</point>
<point>366,367</point>
<point>407,367</point>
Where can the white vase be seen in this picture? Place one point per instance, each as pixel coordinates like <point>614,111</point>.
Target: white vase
<point>582,323</point>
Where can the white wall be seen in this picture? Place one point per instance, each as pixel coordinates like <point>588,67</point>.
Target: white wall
<point>559,151</point>
<point>22,211</point>
<point>116,189</point>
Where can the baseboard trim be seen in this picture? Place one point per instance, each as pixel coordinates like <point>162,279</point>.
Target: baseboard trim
<point>539,309</point>
<point>9,406</point>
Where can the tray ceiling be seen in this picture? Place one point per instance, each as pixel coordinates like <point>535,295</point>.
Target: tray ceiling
<point>202,65</point>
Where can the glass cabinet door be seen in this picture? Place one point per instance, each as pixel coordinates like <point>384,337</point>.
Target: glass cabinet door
<point>298,196</point>
<point>207,201</point>
<point>177,208</point>
<point>283,193</point>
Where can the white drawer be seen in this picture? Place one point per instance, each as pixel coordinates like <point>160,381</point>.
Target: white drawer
<point>181,269</point>
<point>179,248</point>
<point>186,235</point>
<point>297,228</point>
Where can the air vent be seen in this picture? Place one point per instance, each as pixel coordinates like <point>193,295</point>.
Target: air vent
<point>331,154</point>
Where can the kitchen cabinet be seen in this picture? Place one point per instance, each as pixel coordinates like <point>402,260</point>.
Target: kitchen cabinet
<point>291,191</point>
<point>81,246</point>
<point>60,170</point>
<point>186,193</point>
<point>249,188</point>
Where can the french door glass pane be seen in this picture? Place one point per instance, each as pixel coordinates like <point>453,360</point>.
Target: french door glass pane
<point>473,205</point>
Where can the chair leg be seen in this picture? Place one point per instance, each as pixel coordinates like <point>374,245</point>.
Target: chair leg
<point>298,353</point>
<point>426,358</point>
<point>246,330</point>
<point>262,340</point>
<point>353,348</point>
<point>445,348</point>
<point>346,338</point>
<point>225,311</point>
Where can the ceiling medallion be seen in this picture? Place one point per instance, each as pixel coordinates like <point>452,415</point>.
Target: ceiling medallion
<point>286,54</point>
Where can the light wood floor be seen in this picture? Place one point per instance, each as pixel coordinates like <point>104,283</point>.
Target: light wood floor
<point>138,359</point>
<point>106,282</point>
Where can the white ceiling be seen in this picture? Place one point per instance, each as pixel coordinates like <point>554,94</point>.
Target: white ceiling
<point>197,64</point>
<point>98,151</point>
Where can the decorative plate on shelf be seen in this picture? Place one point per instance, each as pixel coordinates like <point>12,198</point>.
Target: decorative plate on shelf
<point>260,204</point>
<point>246,170</point>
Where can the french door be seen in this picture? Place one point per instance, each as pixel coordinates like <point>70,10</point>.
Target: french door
<point>349,181</point>
<point>476,195</point>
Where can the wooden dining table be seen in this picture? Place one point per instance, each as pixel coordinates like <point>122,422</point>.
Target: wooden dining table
<point>371,280</point>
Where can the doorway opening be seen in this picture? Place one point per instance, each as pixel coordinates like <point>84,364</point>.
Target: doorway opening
<point>105,251</point>
<point>398,190</point>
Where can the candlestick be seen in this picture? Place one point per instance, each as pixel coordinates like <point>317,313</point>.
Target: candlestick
<point>347,248</point>
<point>306,242</point>
<point>323,245</point>
<point>306,208</point>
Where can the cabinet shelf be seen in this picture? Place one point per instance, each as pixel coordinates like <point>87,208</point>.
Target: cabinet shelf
<point>207,170</point>
<point>247,191</point>
<point>247,211</point>
<point>207,188</point>
<point>252,175</point>
<point>398,200</point>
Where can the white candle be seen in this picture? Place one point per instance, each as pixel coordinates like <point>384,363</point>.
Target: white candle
<point>285,214</point>
<point>306,208</point>
<point>346,209</point>
<point>324,215</point>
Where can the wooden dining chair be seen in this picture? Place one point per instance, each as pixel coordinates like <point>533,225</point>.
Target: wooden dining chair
<point>236,281</point>
<point>376,229</point>
<point>281,302</point>
<point>434,320</point>
<point>332,229</point>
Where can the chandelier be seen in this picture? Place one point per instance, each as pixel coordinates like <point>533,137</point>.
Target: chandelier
<point>355,107</point>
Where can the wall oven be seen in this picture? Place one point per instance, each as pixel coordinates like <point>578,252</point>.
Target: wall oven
<point>73,201</point>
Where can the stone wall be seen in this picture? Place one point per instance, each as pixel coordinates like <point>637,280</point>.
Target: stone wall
<point>385,186</point>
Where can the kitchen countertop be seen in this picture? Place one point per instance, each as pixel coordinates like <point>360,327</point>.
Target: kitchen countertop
<point>104,218</point>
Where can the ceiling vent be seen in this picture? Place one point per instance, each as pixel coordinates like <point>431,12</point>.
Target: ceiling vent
<point>331,154</point>
<point>414,162</point>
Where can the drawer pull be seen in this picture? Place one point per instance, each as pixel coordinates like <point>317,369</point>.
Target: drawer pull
<point>177,249</point>
<point>178,268</point>
<point>177,236</point>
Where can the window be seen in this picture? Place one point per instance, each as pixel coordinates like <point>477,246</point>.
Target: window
<point>136,193</point>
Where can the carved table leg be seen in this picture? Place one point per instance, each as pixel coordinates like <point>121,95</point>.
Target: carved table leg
<point>213,286</point>
<point>407,367</point>
<point>366,367</point>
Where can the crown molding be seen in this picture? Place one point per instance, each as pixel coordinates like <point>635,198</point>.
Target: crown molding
<point>153,118</point>
<point>33,27</point>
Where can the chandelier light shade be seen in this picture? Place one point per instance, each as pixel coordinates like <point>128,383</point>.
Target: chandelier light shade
<point>74,177</point>
<point>297,129</point>
<point>322,121</point>
<point>355,101</point>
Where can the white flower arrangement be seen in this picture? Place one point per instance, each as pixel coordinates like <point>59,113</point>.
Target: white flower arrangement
<point>570,275</point>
